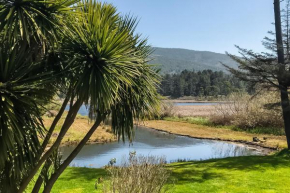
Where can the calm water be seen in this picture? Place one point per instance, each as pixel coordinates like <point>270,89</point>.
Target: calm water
<point>152,142</point>
<point>84,111</point>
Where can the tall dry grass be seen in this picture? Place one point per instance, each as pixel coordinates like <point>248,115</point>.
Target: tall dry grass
<point>167,110</point>
<point>246,112</point>
<point>138,174</point>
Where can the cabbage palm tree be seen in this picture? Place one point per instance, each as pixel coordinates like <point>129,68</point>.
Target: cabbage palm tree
<point>27,81</point>
<point>112,76</point>
<point>105,65</point>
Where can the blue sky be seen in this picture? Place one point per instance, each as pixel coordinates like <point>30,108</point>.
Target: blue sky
<point>209,25</point>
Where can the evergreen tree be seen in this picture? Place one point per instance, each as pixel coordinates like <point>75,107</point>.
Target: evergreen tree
<point>270,70</point>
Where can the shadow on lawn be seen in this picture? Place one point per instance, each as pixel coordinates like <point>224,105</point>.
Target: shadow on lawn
<point>201,171</point>
<point>249,163</point>
<point>88,174</point>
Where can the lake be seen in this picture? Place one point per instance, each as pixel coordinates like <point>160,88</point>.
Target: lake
<point>156,143</point>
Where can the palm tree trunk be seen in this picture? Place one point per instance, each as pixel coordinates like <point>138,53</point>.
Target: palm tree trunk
<point>64,165</point>
<point>281,60</point>
<point>55,121</point>
<point>37,185</point>
<point>68,122</point>
<point>39,181</point>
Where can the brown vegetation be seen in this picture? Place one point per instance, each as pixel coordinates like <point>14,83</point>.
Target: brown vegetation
<point>246,112</point>
<point>138,174</point>
<point>169,110</point>
<point>194,111</point>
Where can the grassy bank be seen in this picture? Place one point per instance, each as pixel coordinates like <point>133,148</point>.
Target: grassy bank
<point>252,174</point>
<point>200,128</point>
<point>206,122</point>
<point>78,130</point>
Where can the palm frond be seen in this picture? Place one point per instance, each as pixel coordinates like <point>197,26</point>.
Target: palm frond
<point>33,19</point>
<point>24,86</point>
<point>112,75</point>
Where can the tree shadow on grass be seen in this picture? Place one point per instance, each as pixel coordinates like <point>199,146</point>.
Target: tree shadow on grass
<point>193,176</point>
<point>249,163</point>
<point>88,174</point>
<point>201,171</point>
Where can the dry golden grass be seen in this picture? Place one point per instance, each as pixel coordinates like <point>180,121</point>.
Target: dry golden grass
<point>249,112</point>
<point>194,110</point>
<point>170,110</point>
<point>78,130</point>
<point>206,132</point>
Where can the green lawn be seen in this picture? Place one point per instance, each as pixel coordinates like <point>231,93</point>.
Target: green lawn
<point>241,174</point>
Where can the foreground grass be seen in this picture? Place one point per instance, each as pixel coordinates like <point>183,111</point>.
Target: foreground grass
<point>252,174</point>
<point>200,128</point>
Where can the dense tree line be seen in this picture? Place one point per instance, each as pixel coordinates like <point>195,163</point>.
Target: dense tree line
<point>201,83</point>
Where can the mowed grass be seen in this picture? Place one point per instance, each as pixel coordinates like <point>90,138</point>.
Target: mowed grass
<point>251,174</point>
<point>255,174</point>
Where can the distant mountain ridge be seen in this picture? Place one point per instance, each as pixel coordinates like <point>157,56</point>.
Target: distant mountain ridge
<point>175,60</point>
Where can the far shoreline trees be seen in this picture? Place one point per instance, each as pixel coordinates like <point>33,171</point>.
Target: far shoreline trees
<point>206,83</point>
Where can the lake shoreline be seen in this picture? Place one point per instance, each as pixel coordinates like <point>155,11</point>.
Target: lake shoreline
<point>241,142</point>
<point>248,142</point>
<point>254,145</point>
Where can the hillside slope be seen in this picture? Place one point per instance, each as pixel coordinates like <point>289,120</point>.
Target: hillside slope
<point>174,60</point>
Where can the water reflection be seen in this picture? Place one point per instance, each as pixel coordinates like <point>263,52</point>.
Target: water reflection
<point>152,142</point>
<point>230,150</point>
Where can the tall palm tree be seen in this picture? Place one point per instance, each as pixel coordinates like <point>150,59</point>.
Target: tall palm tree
<point>27,81</point>
<point>112,76</point>
<point>105,65</point>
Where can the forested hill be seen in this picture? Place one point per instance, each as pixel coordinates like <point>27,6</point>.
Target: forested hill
<point>175,60</point>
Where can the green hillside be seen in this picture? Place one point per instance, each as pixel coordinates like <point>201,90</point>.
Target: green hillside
<point>175,60</point>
